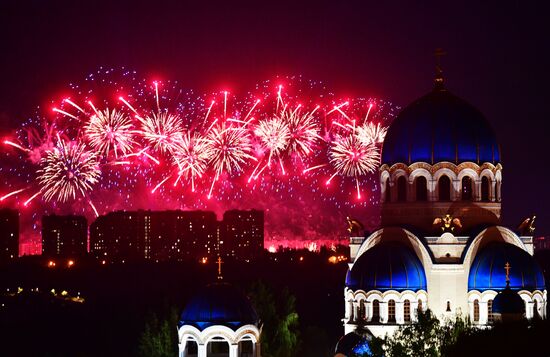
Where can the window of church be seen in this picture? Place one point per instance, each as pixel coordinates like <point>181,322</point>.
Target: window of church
<point>444,188</point>
<point>476,310</point>
<point>485,189</point>
<point>535,310</point>
<point>407,311</point>
<point>467,191</point>
<point>391,311</point>
<point>362,311</point>
<point>375,311</point>
<point>490,318</point>
<point>448,306</point>
<point>421,189</point>
<point>388,191</point>
<point>419,308</point>
<point>401,189</point>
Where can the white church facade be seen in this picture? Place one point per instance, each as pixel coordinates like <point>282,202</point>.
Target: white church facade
<point>441,244</point>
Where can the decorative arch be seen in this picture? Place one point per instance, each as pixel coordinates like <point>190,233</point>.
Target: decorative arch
<point>419,248</point>
<point>495,233</point>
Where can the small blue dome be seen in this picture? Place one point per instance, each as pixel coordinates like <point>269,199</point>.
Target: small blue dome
<point>508,302</point>
<point>487,271</point>
<point>387,266</point>
<point>219,304</point>
<point>440,127</point>
<point>353,344</point>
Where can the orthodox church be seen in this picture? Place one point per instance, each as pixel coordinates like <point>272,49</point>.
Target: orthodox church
<point>441,245</point>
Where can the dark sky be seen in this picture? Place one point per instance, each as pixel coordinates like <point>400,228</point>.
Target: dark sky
<point>497,59</point>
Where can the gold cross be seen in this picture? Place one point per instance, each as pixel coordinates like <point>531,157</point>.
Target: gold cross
<point>438,54</point>
<point>507,267</point>
<point>220,262</point>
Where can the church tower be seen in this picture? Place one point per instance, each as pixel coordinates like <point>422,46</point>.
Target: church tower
<point>441,244</point>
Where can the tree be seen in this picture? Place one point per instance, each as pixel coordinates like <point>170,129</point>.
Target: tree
<point>428,336</point>
<point>279,319</point>
<point>159,336</point>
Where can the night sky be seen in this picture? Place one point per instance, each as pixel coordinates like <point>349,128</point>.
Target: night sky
<point>497,58</point>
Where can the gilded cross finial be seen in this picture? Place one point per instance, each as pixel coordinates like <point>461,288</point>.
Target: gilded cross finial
<point>438,69</point>
<point>220,262</point>
<point>507,267</point>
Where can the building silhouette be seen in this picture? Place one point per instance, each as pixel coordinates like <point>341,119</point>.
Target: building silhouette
<point>9,234</point>
<point>242,234</point>
<point>65,236</point>
<point>155,235</point>
<point>176,235</point>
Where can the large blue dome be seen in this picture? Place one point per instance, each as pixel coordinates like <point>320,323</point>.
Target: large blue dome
<point>219,304</point>
<point>440,127</point>
<point>387,266</point>
<point>487,271</point>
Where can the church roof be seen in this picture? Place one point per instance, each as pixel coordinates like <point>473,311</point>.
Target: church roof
<point>487,271</point>
<point>440,127</point>
<point>219,304</point>
<point>387,266</point>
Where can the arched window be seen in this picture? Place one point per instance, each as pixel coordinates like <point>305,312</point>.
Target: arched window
<point>467,192</point>
<point>375,311</point>
<point>218,346</point>
<point>535,310</point>
<point>490,317</point>
<point>448,309</point>
<point>421,188</point>
<point>485,189</point>
<point>419,307</point>
<point>444,188</point>
<point>362,311</point>
<point>401,189</point>
<point>388,191</point>
<point>476,310</point>
<point>391,311</point>
<point>191,348</point>
<point>407,311</point>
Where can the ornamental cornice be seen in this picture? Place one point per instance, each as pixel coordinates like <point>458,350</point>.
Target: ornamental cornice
<point>441,165</point>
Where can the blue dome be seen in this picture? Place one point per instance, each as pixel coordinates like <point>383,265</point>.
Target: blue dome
<point>487,271</point>
<point>508,302</point>
<point>440,127</point>
<point>387,266</point>
<point>219,304</point>
<point>353,344</point>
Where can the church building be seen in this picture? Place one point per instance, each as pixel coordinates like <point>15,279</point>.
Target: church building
<point>441,245</point>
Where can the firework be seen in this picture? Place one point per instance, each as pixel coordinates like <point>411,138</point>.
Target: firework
<point>304,131</point>
<point>110,131</point>
<point>191,156</point>
<point>162,131</point>
<point>350,157</point>
<point>68,171</point>
<point>370,133</point>
<point>274,134</point>
<point>229,148</point>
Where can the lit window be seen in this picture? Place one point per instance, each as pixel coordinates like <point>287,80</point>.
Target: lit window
<point>391,311</point>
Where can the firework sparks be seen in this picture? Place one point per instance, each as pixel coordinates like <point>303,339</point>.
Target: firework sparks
<point>192,157</point>
<point>67,171</point>
<point>110,131</point>
<point>350,157</point>
<point>229,147</point>
<point>162,131</point>
<point>370,133</point>
<point>274,135</point>
<point>304,131</point>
